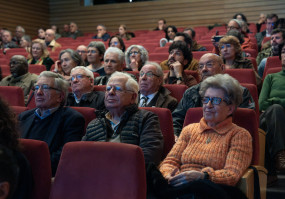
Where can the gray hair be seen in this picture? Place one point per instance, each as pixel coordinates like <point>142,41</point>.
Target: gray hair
<point>74,56</point>
<point>131,83</point>
<point>117,51</point>
<point>104,27</point>
<point>22,29</point>
<point>59,82</point>
<point>86,70</point>
<point>231,87</point>
<point>27,38</point>
<point>237,21</point>
<point>143,52</point>
<point>159,71</point>
<point>99,45</point>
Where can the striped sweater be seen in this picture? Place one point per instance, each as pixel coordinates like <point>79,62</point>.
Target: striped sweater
<point>224,151</point>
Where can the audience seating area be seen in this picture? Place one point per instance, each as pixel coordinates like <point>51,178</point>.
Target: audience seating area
<point>98,175</point>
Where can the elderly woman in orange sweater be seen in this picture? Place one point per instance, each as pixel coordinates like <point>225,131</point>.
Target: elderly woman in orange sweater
<point>214,149</point>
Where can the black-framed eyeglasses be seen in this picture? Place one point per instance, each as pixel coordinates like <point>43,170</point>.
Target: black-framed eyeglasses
<point>116,89</point>
<point>44,87</point>
<point>134,52</point>
<point>148,74</point>
<point>78,77</point>
<point>214,100</point>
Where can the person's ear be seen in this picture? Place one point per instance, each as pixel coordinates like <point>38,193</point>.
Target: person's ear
<point>4,190</point>
<point>231,109</point>
<point>134,97</point>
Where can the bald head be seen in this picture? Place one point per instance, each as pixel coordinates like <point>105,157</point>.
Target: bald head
<point>49,35</point>
<point>210,64</point>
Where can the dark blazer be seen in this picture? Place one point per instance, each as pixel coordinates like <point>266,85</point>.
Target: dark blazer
<point>67,125</point>
<point>162,99</point>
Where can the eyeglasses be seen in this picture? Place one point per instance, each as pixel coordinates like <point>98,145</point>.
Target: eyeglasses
<point>226,45</point>
<point>148,74</point>
<point>44,87</point>
<point>214,100</point>
<point>116,89</point>
<point>114,43</point>
<point>81,51</point>
<point>208,65</point>
<point>78,77</point>
<point>92,51</point>
<point>134,52</point>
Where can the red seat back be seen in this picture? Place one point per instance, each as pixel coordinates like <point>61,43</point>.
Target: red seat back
<point>254,93</point>
<point>19,109</point>
<point>99,88</point>
<point>36,68</point>
<point>177,90</point>
<point>272,62</point>
<point>87,112</point>
<point>242,75</point>
<point>13,95</point>
<point>100,170</point>
<point>273,70</point>
<point>166,126</point>
<point>243,117</point>
<point>37,153</point>
<point>198,54</point>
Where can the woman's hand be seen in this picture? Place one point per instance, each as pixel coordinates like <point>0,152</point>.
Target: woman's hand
<point>57,67</point>
<point>134,65</point>
<point>185,177</point>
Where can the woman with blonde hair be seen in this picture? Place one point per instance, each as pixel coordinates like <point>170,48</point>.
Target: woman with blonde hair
<point>39,54</point>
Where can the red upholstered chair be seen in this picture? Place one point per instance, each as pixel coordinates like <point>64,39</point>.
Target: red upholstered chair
<point>158,56</point>
<point>87,112</point>
<point>242,75</point>
<point>31,101</point>
<point>176,90</point>
<point>99,88</point>
<point>198,54</point>
<point>36,68</point>
<point>37,153</point>
<point>100,170</point>
<point>254,93</point>
<point>265,39</point>
<point>135,73</point>
<point>19,109</point>
<point>253,61</point>
<point>161,50</point>
<point>13,95</point>
<point>252,52</point>
<point>272,62</point>
<point>166,126</point>
<point>245,118</point>
<point>273,70</point>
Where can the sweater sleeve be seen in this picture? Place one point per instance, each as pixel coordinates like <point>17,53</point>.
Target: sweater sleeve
<point>264,100</point>
<point>238,159</point>
<point>173,159</point>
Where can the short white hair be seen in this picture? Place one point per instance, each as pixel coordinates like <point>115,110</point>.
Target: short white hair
<point>117,51</point>
<point>86,70</point>
<point>131,83</point>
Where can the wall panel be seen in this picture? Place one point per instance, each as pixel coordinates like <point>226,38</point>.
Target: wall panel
<point>143,15</point>
<point>29,14</point>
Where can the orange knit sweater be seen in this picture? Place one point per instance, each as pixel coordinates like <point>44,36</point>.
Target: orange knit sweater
<point>224,151</point>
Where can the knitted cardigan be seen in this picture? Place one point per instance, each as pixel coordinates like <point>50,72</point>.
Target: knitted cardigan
<point>224,152</point>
